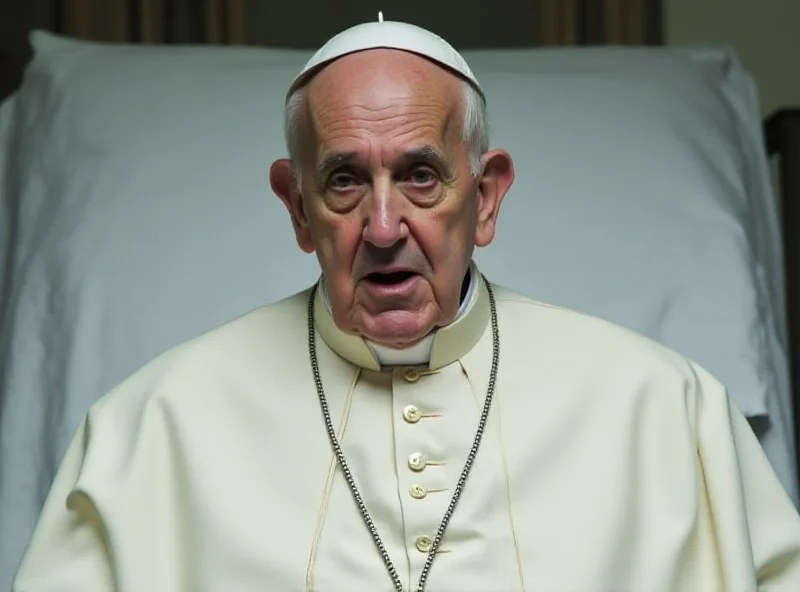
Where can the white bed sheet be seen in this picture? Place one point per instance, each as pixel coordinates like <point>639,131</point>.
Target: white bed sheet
<point>143,216</point>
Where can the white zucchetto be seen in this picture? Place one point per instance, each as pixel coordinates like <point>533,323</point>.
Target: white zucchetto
<point>389,35</point>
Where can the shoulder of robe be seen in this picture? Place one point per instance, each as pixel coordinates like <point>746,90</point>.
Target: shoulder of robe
<point>265,338</point>
<point>600,348</point>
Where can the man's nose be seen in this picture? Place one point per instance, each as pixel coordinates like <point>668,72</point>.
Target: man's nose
<point>385,225</point>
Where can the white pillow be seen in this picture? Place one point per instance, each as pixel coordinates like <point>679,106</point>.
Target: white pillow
<point>141,199</point>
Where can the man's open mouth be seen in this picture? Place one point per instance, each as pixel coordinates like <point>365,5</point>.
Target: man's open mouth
<point>389,279</point>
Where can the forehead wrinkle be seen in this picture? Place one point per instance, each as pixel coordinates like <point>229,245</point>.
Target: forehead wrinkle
<point>338,116</point>
<point>416,99</point>
<point>397,127</point>
<point>365,131</point>
<point>407,138</point>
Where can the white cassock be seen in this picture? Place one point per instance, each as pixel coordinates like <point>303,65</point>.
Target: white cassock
<point>609,463</point>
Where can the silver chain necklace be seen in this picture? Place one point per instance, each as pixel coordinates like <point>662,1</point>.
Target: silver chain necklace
<point>337,449</point>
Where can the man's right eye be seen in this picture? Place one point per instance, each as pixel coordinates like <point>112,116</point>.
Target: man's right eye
<point>342,181</point>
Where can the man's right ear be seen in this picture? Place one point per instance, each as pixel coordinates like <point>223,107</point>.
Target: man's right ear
<point>284,184</point>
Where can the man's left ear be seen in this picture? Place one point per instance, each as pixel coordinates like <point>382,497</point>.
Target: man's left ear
<point>498,175</point>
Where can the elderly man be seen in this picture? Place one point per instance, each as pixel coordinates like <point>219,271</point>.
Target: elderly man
<point>404,424</point>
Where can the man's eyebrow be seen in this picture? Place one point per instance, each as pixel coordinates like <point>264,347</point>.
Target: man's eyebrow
<point>433,158</point>
<point>425,154</point>
<point>428,155</point>
<point>334,159</point>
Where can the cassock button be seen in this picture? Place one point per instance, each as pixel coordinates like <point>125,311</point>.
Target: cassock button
<point>411,414</point>
<point>416,461</point>
<point>411,375</point>
<point>418,491</point>
<point>424,543</point>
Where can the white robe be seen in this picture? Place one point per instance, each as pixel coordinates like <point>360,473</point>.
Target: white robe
<point>609,464</point>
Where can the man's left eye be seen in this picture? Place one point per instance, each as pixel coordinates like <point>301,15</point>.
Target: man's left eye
<point>421,176</point>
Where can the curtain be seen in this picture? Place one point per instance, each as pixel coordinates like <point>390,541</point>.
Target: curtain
<point>153,21</point>
<point>599,22</point>
<point>306,23</point>
<point>467,24</point>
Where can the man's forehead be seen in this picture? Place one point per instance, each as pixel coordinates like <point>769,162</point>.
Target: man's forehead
<point>387,101</point>
<point>410,131</point>
<point>382,77</point>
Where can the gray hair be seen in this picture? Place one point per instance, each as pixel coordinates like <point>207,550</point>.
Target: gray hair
<point>474,129</point>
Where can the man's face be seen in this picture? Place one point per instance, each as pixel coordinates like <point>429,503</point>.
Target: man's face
<point>389,203</point>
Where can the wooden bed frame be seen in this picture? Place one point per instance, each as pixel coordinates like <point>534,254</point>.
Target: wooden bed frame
<point>782,138</point>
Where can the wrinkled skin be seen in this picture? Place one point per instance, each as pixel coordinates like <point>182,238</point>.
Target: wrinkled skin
<point>387,187</point>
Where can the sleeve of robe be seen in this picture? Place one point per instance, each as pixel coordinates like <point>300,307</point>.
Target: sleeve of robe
<point>68,551</point>
<point>744,495</point>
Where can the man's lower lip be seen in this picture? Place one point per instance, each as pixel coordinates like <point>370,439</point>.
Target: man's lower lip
<point>392,289</point>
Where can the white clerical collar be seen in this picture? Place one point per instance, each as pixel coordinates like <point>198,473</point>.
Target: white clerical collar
<point>443,346</point>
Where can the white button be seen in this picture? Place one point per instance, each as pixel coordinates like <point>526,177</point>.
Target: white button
<point>411,414</point>
<point>418,491</point>
<point>411,374</point>
<point>416,461</point>
<point>423,543</point>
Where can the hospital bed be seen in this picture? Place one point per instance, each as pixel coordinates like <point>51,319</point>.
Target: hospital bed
<point>135,213</point>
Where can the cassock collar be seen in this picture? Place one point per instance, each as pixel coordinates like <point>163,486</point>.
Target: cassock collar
<point>446,344</point>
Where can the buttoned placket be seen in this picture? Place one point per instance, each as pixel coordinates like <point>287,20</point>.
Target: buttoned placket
<point>424,485</point>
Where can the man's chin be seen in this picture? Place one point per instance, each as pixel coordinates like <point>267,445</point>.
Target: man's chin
<point>397,329</point>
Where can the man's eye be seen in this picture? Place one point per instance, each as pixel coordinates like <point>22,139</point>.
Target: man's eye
<point>422,176</point>
<point>341,181</point>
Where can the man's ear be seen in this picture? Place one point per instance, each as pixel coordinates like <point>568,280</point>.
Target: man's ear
<point>284,184</point>
<point>498,175</point>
